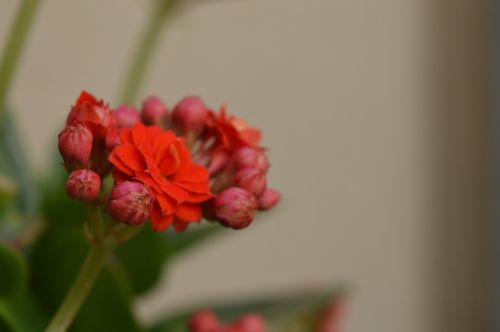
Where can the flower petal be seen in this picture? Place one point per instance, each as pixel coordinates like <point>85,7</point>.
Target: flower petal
<point>188,212</point>
<point>190,172</point>
<point>159,220</point>
<point>130,156</point>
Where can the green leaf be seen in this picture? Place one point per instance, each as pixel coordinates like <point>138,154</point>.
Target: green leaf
<point>56,260</point>
<point>57,207</point>
<point>13,276</point>
<point>159,248</point>
<point>21,314</point>
<point>280,311</point>
<point>180,243</point>
<point>143,257</point>
<point>8,187</point>
<point>13,163</point>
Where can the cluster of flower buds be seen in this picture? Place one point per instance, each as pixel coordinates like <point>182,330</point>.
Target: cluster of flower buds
<point>171,167</point>
<point>85,142</point>
<point>206,321</point>
<point>237,164</point>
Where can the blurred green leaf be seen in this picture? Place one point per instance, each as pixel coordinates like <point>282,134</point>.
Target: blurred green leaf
<point>143,257</point>
<point>194,236</point>
<point>57,207</point>
<point>57,258</point>
<point>13,275</point>
<point>21,314</point>
<point>13,163</point>
<point>8,187</point>
<point>280,311</point>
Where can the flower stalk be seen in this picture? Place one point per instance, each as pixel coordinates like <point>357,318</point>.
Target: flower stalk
<point>81,287</point>
<point>14,46</point>
<point>145,49</point>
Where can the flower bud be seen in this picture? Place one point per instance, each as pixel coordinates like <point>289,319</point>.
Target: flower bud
<point>153,111</point>
<point>235,208</point>
<point>204,321</point>
<point>269,199</point>
<point>252,180</point>
<point>126,116</point>
<point>332,317</point>
<point>75,146</point>
<point>83,185</point>
<point>189,117</point>
<point>130,202</point>
<point>247,157</point>
<point>250,323</point>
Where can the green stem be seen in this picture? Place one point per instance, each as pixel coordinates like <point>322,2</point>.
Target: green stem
<point>14,45</point>
<point>80,288</point>
<point>144,51</point>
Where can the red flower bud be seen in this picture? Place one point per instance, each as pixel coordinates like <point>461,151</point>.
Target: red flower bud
<point>83,185</point>
<point>235,208</point>
<point>269,199</point>
<point>126,116</point>
<point>130,202</point>
<point>247,157</point>
<point>75,146</point>
<point>153,111</point>
<point>204,321</point>
<point>190,116</point>
<point>252,180</point>
<point>332,317</point>
<point>250,323</point>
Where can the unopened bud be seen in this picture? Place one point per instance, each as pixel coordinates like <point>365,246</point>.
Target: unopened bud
<point>153,111</point>
<point>269,199</point>
<point>247,157</point>
<point>83,185</point>
<point>252,180</point>
<point>130,202</point>
<point>75,146</point>
<point>250,323</point>
<point>189,117</point>
<point>204,321</point>
<point>126,116</point>
<point>332,317</point>
<point>235,208</point>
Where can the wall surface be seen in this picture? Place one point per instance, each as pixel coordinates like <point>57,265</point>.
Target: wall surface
<point>349,94</point>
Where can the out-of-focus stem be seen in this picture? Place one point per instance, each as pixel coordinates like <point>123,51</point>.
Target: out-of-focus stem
<point>14,46</point>
<point>80,288</point>
<point>145,48</point>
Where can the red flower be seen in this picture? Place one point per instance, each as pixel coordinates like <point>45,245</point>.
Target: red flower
<point>231,132</point>
<point>163,163</point>
<point>225,134</point>
<point>96,116</point>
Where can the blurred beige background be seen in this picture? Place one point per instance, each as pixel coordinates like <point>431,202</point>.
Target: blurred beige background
<point>374,112</point>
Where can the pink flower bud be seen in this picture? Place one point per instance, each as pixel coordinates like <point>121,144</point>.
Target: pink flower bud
<point>190,117</point>
<point>153,111</point>
<point>130,202</point>
<point>332,317</point>
<point>126,116</point>
<point>252,180</point>
<point>269,199</point>
<point>75,146</point>
<point>83,185</point>
<point>250,323</point>
<point>247,157</point>
<point>235,208</point>
<point>204,321</point>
